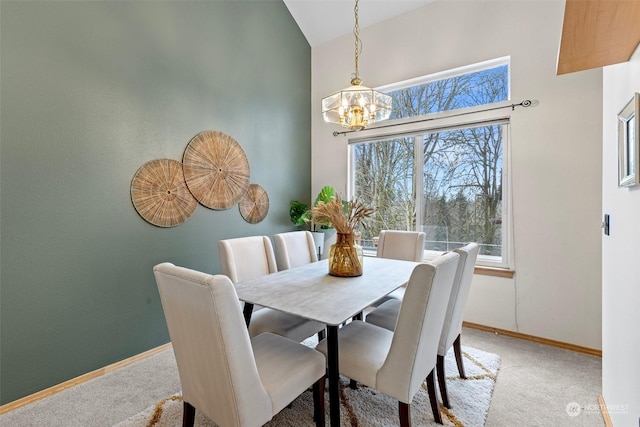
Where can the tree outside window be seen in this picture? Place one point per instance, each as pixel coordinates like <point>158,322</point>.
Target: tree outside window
<point>456,194</point>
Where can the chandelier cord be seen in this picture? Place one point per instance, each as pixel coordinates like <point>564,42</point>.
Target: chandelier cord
<point>358,43</point>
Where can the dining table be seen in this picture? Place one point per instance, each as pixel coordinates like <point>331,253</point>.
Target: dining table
<point>309,291</point>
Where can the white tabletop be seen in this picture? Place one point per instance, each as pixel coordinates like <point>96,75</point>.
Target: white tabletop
<point>310,292</point>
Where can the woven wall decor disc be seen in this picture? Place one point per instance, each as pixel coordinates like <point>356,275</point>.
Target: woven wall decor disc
<point>160,194</point>
<point>254,205</point>
<point>216,169</point>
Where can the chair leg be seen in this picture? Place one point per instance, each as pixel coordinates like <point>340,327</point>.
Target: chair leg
<point>435,406</point>
<point>188,414</point>
<point>404,409</point>
<point>321,335</point>
<point>353,384</point>
<point>442,383</point>
<point>318,402</point>
<point>458,352</point>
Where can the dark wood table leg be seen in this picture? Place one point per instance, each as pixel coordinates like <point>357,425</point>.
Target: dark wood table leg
<point>247,311</point>
<point>334,375</point>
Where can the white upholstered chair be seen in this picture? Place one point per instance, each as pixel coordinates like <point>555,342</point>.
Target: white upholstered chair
<point>294,249</point>
<point>230,378</point>
<point>386,314</point>
<point>396,363</point>
<point>246,258</point>
<point>403,245</point>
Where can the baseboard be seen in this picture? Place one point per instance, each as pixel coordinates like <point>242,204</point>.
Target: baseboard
<point>79,380</point>
<point>110,368</point>
<point>533,338</point>
<point>605,412</point>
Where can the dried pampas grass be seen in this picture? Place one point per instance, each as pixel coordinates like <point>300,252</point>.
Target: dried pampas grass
<point>342,215</point>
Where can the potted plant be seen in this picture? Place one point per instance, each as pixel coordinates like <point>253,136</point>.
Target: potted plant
<point>301,216</point>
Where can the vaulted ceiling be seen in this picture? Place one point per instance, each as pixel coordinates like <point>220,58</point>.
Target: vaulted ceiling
<point>595,33</point>
<point>324,20</point>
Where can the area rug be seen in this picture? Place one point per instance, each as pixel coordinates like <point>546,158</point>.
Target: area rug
<point>365,407</point>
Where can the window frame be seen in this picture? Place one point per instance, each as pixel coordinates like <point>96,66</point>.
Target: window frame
<point>454,72</point>
<point>483,115</point>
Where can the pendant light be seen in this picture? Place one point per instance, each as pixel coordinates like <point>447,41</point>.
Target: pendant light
<point>357,106</point>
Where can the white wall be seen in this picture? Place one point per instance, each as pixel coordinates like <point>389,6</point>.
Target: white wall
<point>556,150</point>
<point>620,264</point>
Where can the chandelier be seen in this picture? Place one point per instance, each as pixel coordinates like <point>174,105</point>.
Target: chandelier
<point>357,106</point>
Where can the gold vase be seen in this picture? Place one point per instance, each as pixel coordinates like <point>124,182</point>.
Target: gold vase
<point>345,256</point>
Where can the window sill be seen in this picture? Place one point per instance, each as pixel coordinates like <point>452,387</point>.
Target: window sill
<point>479,269</point>
<point>493,271</point>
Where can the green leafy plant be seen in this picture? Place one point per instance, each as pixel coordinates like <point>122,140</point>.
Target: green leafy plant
<point>301,213</point>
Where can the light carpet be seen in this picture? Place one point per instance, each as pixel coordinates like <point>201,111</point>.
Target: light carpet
<point>366,407</point>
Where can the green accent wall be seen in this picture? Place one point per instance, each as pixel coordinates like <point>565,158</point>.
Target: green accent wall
<point>90,91</point>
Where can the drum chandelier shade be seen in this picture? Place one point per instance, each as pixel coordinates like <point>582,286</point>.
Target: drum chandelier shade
<point>357,106</point>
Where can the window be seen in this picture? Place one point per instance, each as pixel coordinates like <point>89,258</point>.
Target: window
<point>447,179</point>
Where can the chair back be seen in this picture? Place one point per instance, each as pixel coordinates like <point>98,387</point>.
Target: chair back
<point>246,258</point>
<point>213,352</point>
<point>294,249</point>
<point>459,294</point>
<point>413,352</point>
<point>403,245</point>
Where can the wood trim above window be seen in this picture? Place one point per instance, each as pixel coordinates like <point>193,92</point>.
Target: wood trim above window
<point>598,33</point>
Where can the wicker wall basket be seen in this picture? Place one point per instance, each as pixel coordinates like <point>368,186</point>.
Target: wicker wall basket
<point>216,169</point>
<point>254,205</point>
<point>160,195</point>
